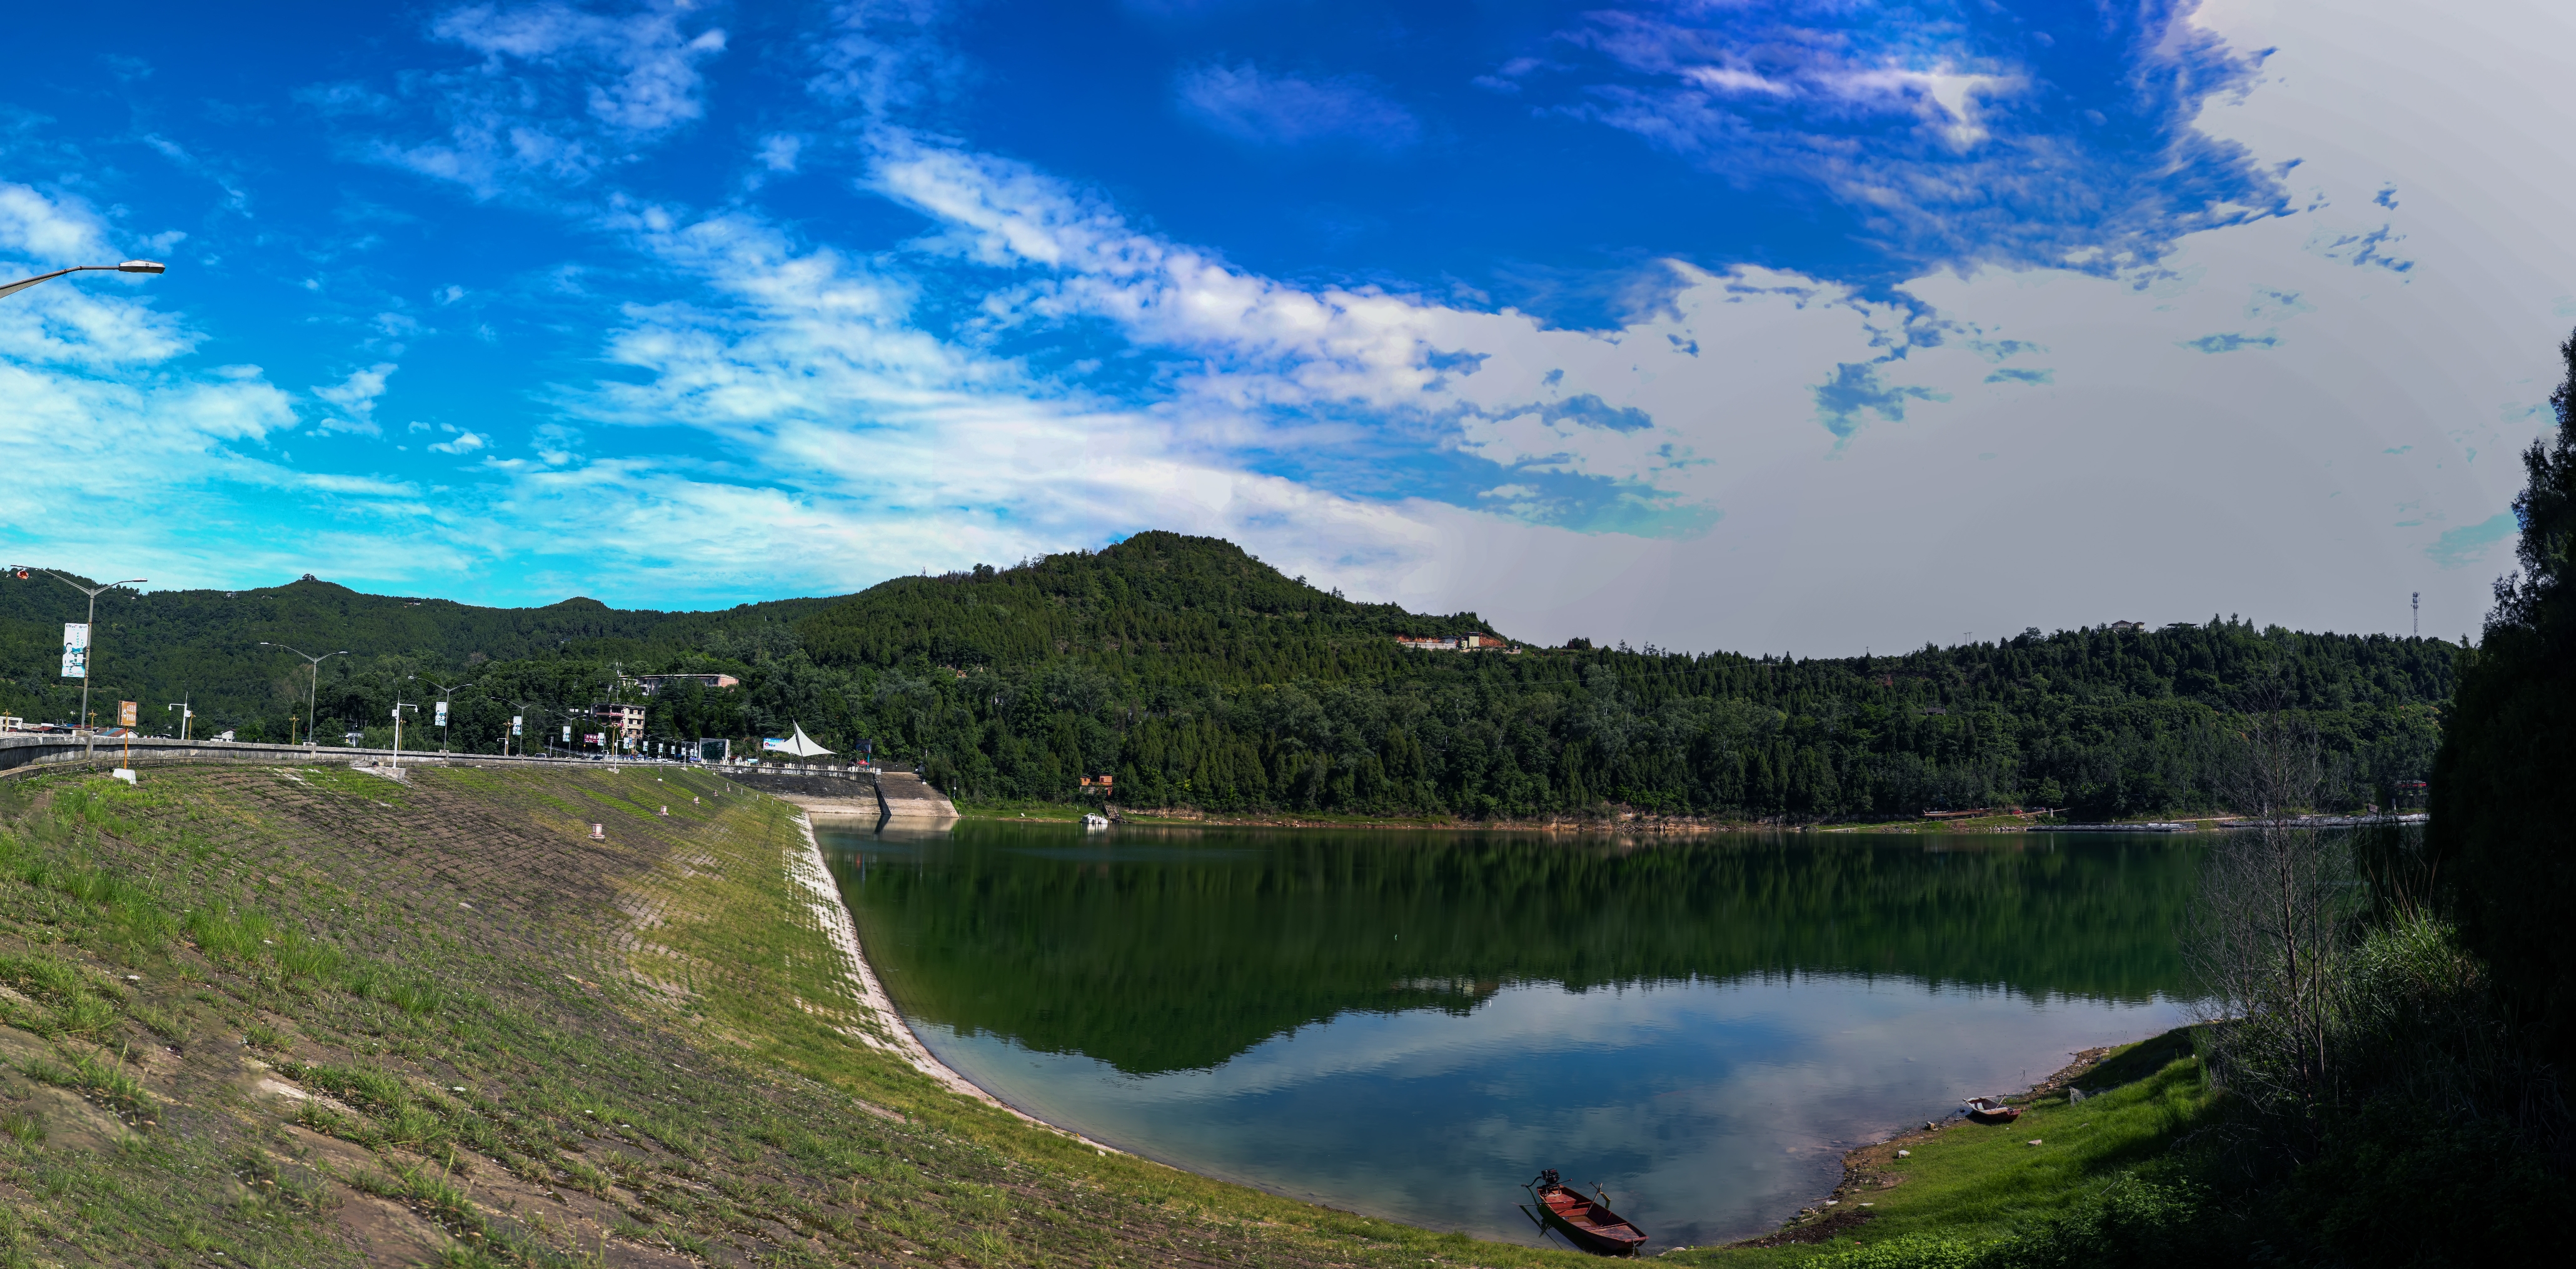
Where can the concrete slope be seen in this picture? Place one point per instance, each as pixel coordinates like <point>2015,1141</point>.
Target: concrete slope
<point>905,796</point>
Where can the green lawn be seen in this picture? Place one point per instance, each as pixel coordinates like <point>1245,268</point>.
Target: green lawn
<point>1968,1183</point>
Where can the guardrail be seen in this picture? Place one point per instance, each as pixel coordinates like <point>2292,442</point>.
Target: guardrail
<point>33,749</point>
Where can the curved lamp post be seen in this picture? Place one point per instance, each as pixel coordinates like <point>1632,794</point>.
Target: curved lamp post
<point>89,667</point>
<point>446,697</point>
<point>130,266</point>
<point>309,685</point>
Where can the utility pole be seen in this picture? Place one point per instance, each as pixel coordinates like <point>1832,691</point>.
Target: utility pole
<point>399,707</point>
<point>2417,603</point>
<point>309,688</point>
<point>89,625</point>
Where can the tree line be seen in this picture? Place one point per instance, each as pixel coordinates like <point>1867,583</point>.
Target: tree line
<point>1196,676</point>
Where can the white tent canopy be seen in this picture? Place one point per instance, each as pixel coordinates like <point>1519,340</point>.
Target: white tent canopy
<point>801,745</point>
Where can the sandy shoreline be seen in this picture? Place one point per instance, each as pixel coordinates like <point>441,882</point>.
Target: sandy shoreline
<point>888,1031</point>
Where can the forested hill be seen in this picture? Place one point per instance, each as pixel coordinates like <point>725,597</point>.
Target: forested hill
<point>1199,676</point>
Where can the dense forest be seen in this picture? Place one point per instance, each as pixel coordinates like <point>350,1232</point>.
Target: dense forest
<point>1198,676</point>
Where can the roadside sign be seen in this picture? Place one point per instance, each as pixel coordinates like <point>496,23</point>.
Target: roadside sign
<point>75,650</point>
<point>125,713</point>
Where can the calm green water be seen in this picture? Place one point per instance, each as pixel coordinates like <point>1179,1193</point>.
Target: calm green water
<point>1411,1024</point>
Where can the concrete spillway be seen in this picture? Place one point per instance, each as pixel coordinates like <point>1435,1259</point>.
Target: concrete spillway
<point>906,796</point>
<point>845,793</point>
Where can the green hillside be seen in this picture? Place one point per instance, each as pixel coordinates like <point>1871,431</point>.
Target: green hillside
<point>1201,677</point>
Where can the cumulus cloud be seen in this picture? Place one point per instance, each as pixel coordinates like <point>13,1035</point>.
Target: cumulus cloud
<point>50,231</point>
<point>1249,104</point>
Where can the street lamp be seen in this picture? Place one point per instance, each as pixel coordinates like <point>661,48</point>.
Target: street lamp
<point>517,723</point>
<point>88,652</point>
<point>130,266</point>
<point>444,692</point>
<point>185,715</point>
<point>309,686</point>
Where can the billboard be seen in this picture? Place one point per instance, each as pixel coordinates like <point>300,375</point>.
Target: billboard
<point>75,649</point>
<point>125,713</point>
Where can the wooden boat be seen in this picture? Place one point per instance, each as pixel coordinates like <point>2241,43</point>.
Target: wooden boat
<point>1987,1110</point>
<point>1587,1223</point>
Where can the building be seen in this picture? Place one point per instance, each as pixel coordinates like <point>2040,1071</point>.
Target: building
<point>2128,625</point>
<point>1097,784</point>
<point>652,683</point>
<point>1479,642</point>
<point>625,722</point>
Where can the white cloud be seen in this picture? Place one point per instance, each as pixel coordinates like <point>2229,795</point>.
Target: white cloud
<point>354,400</point>
<point>560,94</point>
<point>51,231</point>
<point>1250,104</point>
<point>2065,421</point>
<point>778,151</point>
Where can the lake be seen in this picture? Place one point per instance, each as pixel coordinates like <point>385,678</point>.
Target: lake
<point>1410,1024</point>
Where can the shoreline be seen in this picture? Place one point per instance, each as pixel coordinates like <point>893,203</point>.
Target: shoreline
<point>823,899</point>
<point>1869,1167</point>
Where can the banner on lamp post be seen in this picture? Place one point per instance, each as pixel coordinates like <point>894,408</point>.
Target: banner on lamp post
<point>75,649</point>
<point>442,713</point>
<point>514,724</point>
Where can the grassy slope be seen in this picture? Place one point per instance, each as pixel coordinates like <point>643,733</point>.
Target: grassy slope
<point>651,1035</point>
<point>1967,1183</point>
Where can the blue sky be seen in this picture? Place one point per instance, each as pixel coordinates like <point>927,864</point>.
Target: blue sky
<point>1810,326</point>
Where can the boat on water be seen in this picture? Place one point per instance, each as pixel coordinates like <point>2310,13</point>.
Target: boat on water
<point>1095,821</point>
<point>1988,1110</point>
<point>1587,1223</point>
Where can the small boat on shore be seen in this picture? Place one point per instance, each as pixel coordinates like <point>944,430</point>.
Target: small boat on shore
<point>1589,1224</point>
<point>1988,1110</point>
<point>1095,821</point>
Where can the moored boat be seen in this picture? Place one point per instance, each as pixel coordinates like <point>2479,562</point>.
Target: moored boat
<point>1095,821</point>
<point>1988,1110</point>
<point>1589,1224</point>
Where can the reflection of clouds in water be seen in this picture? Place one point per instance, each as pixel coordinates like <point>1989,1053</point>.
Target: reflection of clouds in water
<point>1710,1110</point>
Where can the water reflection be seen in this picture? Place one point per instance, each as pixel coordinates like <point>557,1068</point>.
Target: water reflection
<point>1410,1024</point>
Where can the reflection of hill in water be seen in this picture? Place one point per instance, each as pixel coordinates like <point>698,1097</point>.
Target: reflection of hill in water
<point>1176,958</point>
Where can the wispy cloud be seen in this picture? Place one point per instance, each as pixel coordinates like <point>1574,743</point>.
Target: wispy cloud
<point>353,400</point>
<point>560,93</point>
<point>1249,104</point>
<point>1959,140</point>
<point>2472,543</point>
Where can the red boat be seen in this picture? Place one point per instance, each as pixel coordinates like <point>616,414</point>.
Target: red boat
<point>1987,1110</point>
<point>1587,1223</point>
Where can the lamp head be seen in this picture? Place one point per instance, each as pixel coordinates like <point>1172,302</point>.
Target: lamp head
<point>142,266</point>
